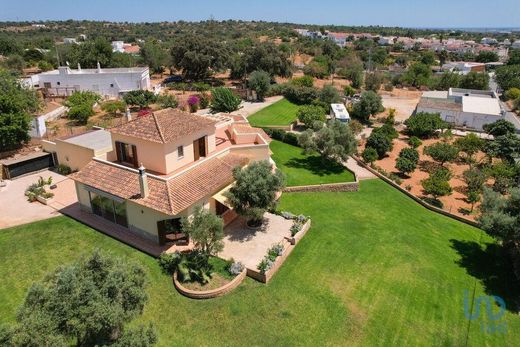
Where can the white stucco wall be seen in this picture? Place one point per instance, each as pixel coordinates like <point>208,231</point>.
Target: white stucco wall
<point>470,120</point>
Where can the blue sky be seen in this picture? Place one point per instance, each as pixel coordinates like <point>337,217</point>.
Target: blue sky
<point>408,13</point>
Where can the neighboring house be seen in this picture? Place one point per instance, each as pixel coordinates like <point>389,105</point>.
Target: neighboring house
<point>464,108</point>
<point>163,166</point>
<point>339,112</point>
<point>338,38</point>
<point>70,40</point>
<point>385,41</point>
<point>464,67</point>
<point>108,82</point>
<point>516,44</point>
<point>118,46</point>
<point>488,41</point>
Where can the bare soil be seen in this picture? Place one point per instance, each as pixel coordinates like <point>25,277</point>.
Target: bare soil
<point>216,281</point>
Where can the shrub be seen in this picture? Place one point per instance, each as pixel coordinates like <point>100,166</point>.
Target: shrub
<point>355,126</point>
<point>424,125</point>
<point>112,107</point>
<point>141,98</point>
<point>168,262</point>
<point>380,142</point>
<point>437,184</point>
<point>388,131</point>
<point>329,94</point>
<point>236,268</point>
<point>291,138</point>
<point>369,155</point>
<point>369,104</point>
<point>193,103</point>
<point>204,100</point>
<point>223,100</point>
<point>414,142</point>
<point>512,93</point>
<point>349,90</point>
<point>442,152</point>
<point>63,169</point>
<point>167,101</point>
<point>304,81</point>
<point>259,81</point>
<point>300,95</point>
<point>287,215</point>
<point>81,113</point>
<point>309,114</point>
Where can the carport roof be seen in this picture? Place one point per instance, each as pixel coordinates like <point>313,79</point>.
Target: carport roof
<point>97,140</point>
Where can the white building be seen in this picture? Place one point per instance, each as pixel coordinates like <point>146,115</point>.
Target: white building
<point>118,46</point>
<point>70,40</point>
<point>385,41</point>
<point>465,108</point>
<point>488,41</point>
<point>108,82</point>
<point>339,112</point>
<point>464,67</point>
<point>516,44</point>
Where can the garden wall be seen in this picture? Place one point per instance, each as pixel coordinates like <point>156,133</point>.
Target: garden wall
<point>208,294</point>
<point>327,187</point>
<point>289,245</point>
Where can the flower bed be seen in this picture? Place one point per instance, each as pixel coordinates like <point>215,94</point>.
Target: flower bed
<point>212,293</point>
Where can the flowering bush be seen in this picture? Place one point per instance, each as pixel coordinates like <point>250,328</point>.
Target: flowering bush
<point>144,112</point>
<point>268,261</point>
<point>193,103</point>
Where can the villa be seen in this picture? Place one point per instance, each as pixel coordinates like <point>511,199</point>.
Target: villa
<point>164,165</point>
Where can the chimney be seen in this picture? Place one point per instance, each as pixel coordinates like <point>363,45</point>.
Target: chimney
<point>98,67</point>
<point>143,181</point>
<point>79,67</point>
<point>128,115</point>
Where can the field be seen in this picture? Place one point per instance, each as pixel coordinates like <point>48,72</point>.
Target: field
<point>375,269</point>
<point>280,113</point>
<point>302,169</point>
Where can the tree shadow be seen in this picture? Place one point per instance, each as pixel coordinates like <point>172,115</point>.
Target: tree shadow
<point>490,264</point>
<point>316,165</point>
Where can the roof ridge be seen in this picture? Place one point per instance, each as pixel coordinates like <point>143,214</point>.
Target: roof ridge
<point>158,127</point>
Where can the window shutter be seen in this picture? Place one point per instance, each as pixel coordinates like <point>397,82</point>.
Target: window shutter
<point>118,151</point>
<point>134,154</point>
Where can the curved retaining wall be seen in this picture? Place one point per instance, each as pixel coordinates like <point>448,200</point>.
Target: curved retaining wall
<point>208,294</point>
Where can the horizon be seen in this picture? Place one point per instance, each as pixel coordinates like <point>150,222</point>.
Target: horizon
<point>444,14</point>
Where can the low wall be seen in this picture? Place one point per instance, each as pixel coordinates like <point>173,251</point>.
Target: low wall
<point>288,248</point>
<point>328,187</point>
<point>282,127</point>
<point>417,199</point>
<point>208,294</point>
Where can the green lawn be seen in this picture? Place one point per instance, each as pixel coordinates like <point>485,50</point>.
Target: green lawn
<point>375,269</point>
<point>280,113</point>
<point>302,169</point>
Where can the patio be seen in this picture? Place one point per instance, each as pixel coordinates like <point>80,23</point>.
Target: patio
<point>250,246</point>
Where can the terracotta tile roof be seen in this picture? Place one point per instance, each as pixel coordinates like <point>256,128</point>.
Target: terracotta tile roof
<point>164,126</point>
<point>169,196</point>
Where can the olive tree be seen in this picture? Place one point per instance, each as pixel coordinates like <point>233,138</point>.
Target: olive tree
<point>206,230</point>
<point>254,191</point>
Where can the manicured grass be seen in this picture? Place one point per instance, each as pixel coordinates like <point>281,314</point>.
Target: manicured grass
<point>376,268</point>
<point>302,169</point>
<point>280,113</point>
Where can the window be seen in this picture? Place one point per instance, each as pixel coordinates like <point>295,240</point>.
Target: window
<point>180,152</point>
<point>126,153</point>
<point>109,209</point>
<point>58,83</point>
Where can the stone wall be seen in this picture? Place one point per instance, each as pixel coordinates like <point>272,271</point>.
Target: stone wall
<point>330,187</point>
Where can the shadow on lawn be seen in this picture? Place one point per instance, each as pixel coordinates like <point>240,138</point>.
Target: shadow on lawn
<point>316,165</point>
<point>490,264</point>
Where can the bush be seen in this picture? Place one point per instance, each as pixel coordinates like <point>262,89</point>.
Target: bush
<point>167,101</point>
<point>349,91</point>
<point>300,95</point>
<point>369,104</point>
<point>168,262</point>
<point>223,100</point>
<point>369,155</point>
<point>291,138</point>
<point>414,142</point>
<point>304,81</point>
<point>424,125</point>
<point>407,160</point>
<point>141,98</point>
<point>380,142</point>
<point>287,215</point>
<point>512,94</point>
<point>259,81</point>
<point>329,94</point>
<point>112,107</point>
<point>282,135</point>
<point>388,131</point>
<point>81,113</point>
<point>295,228</point>
<point>63,169</point>
<point>309,114</point>
<point>236,268</point>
